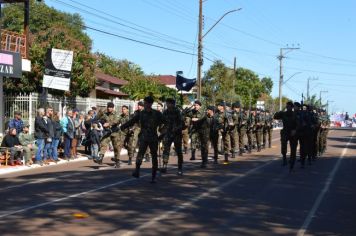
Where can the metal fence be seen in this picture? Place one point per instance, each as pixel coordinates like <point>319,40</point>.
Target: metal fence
<point>28,105</point>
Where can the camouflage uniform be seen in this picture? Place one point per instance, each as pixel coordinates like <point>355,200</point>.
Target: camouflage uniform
<point>259,122</point>
<point>267,130</point>
<point>222,125</point>
<point>127,136</point>
<point>232,133</point>
<point>172,133</point>
<point>303,133</point>
<point>185,134</point>
<point>242,129</point>
<point>149,121</point>
<point>213,135</point>
<point>199,134</point>
<point>288,133</point>
<point>250,131</point>
<point>114,137</point>
<point>324,130</point>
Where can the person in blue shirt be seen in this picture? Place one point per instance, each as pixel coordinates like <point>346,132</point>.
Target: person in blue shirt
<point>17,122</point>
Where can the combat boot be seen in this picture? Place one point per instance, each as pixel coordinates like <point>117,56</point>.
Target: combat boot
<point>129,162</point>
<point>193,155</point>
<point>258,148</point>
<point>269,145</point>
<point>226,158</point>
<point>136,173</point>
<point>117,163</point>
<point>164,169</point>
<point>154,173</point>
<point>241,152</point>
<point>249,149</point>
<point>99,159</point>
<point>284,160</point>
<point>233,154</point>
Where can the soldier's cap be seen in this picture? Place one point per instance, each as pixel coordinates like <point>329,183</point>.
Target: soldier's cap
<point>18,113</point>
<point>222,104</point>
<point>211,108</point>
<point>170,100</point>
<point>297,104</point>
<point>228,104</point>
<point>290,103</point>
<point>110,104</point>
<point>140,103</point>
<point>236,105</point>
<point>161,104</point>
<point>197,102</point>
<point>26,124</point>
<point>148,99</point>
<point>125,107</point>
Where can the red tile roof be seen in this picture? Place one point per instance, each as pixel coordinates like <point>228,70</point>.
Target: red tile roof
<point>110,92</point>
<point>110,79</point>
<point>167,79</point>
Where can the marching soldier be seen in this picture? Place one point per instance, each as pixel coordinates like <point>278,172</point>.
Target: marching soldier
<point>259,122</point>
<point>127,133</point>
<point>303,126</point>
<point>324,130</point>
<point>223,122</point>
<point>110,121</point>
<point>199,132</point>
<point>232,131</point>
<point>268,129</point>
<point>241,127</point>
<point>185,130</point>
<point>288,134</point>
<point>213,131</point>
<point>172,133</point>
<point>149,120</point>
<point>250,129</point>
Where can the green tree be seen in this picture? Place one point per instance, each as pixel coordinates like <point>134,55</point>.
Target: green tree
<point>122,69</point>
<point>50,28</point>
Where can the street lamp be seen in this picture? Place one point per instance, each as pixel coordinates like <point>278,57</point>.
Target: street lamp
<point>200,41</point>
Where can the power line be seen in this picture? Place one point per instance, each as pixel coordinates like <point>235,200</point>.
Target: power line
<point>323,72</point>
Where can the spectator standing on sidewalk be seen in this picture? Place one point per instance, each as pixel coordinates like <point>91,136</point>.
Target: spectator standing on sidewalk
<point>16,123</point>
<point>47,152</point>
<point>28,144</point>
<point>86,127</point>
<point>41,134</point>
<point>57,134</point>
<point>77,132</point>
<point>67,124</point>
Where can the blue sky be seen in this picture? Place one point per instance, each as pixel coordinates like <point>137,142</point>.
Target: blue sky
<point>325,31</point>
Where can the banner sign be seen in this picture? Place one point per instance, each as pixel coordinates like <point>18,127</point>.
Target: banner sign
<point>58,66</point>
<point>10,64</point>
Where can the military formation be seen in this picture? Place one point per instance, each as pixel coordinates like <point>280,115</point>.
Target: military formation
<point>304,125</point>
<point>223,127</point>
<point>228,128</point>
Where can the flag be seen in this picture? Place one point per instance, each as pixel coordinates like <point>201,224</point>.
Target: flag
<point>184,83</point>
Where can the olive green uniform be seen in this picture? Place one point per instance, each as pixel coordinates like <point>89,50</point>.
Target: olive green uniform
<point>127,136</point>
<point>241,130</point>
<point>267,130</point>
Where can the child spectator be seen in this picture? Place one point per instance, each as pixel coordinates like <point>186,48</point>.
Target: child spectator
<point>95,140</point>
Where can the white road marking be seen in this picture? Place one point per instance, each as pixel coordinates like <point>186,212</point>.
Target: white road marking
<point>329,180</point>
<point>191,203</point>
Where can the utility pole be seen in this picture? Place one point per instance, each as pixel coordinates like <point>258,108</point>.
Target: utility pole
<point>280,58</point>
<point>308,86</point>
<point>200,42</point>
<point>200,47</point>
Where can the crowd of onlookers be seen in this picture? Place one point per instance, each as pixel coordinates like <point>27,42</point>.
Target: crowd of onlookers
<point>52,132</point>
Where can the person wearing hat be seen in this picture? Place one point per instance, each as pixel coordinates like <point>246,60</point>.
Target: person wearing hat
<point>224,122</point>
<point>172,133</point>
<point>28,144</point>
<point>259,124</point>
<point>268,129</point>
<point>16,122</point>
<point>199,132</point>
<point>250,129</point>
<point>127,134</point>
<point>110,121</point>
<point>149,120</point>
<point>213,131</point>
<point>241,126</point>
<point>288,134</point>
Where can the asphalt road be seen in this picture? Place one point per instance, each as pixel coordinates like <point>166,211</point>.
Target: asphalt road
<point>253,195</point>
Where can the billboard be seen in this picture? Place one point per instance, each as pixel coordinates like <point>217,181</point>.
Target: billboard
<point>10,64</point>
